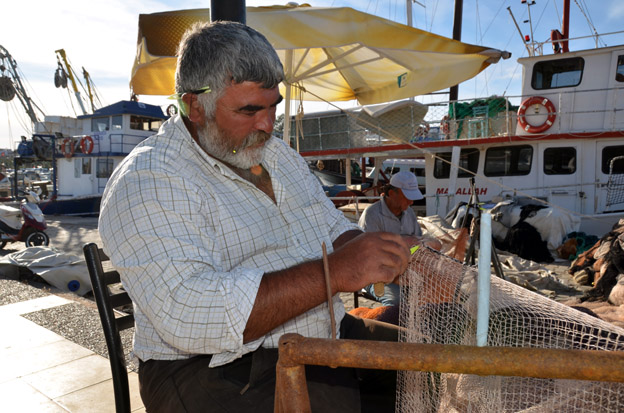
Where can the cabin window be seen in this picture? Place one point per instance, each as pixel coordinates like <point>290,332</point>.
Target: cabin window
<point>508,161</point>
<point>554,74</point>
<point>608,153</point>
<point>145,123</point>
<point>619,74</point>
<point>559,161</point>
<point>104,168</point>
<point>82,166</point>
<point>99,124</point>
<point>468,159</point>
<point>117,123</point>
<point>418,171</point>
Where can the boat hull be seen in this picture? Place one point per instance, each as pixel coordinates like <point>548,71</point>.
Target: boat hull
<point>83,206</point>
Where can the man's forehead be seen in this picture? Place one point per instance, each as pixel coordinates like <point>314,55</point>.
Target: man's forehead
<point>250,93</point>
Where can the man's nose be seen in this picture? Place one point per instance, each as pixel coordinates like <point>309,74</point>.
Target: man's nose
<point>265,120</point>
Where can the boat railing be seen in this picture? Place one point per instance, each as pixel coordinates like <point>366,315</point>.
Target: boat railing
<point>117,143</point>
<point>571,112</point>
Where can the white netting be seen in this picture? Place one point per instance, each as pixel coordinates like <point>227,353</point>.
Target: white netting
<point>439,305</point>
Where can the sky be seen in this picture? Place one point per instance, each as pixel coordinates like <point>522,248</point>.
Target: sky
<point>100,35</point>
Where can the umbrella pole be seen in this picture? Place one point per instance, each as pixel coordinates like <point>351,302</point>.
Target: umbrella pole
<point>288,70</point>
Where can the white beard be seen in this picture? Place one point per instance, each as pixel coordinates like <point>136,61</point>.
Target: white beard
<point>215,142</point>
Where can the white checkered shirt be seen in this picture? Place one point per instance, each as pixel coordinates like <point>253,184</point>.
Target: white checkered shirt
<point>192,240</point>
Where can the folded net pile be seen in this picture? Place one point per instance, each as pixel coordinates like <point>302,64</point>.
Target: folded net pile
<point>439,305</point>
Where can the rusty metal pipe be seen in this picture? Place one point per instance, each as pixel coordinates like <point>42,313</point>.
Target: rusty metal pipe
<point>484,361</point>
<point>291,391</point>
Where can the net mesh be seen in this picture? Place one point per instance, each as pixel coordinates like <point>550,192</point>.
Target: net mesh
<point>439,305</point>
<point>615,185</point>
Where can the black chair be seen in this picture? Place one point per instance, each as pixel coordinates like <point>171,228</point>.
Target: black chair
<point>364,294</point>
<point>106,302</point>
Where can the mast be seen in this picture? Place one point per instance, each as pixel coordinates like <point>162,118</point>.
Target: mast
<point>14,84</point>
<point>565,26</point>
<point>70,74</point>
<point>457,27</point>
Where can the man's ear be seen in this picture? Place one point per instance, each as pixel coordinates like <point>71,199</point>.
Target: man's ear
<point>193,109</point>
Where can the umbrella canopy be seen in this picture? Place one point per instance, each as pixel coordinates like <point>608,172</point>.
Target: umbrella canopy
<point>334,54</point>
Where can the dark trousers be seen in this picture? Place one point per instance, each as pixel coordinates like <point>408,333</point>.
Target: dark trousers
<point>248,384</point>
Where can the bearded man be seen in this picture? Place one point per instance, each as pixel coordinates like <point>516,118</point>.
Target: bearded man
<point>217,229</point>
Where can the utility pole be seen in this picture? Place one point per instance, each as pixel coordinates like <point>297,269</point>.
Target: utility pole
<point>457,28</point>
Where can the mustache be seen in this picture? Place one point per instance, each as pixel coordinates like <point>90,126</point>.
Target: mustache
<point>255,138</point>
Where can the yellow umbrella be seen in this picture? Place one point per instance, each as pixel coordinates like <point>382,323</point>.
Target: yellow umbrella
<point>334,54</point>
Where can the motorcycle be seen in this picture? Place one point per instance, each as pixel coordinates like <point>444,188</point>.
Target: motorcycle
<point>26,224</point>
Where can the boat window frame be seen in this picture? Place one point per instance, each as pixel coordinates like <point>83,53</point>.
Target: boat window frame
<point>145,123</point>
<point>559,164</point>
<point>606,160</point>
<point>442,166</point>
<point>94,121</point>
<point>514,162</point>
<point>619,70</point>
<point>116,122</point>
<point>107,171</point>
<point>551,63</point>
<point>80,165</point>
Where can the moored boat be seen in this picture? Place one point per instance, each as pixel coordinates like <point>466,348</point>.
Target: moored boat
<point>84,159</point>
<point>560,143</point>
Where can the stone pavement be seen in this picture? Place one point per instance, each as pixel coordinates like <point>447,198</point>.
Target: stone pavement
<point>43,371</point>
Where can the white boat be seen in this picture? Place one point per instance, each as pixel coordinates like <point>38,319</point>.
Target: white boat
<point>86,151</point>
<point>559,143</point>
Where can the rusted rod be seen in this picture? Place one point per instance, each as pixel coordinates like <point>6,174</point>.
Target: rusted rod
<point>291,391</point>
<point>330,302</point>
<point>295,350</point>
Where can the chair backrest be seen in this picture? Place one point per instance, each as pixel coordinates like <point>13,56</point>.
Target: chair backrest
<point>480,111</point>
<point>107,301</point>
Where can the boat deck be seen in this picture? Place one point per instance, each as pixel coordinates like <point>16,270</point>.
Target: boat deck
<point>45,372</point>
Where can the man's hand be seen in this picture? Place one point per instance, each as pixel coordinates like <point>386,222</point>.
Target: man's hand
<point>368,258</point>
<point>430,242</point>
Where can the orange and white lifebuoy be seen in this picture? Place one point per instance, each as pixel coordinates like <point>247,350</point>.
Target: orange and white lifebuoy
<point>536,100</point>
<point>86,144</point>
<point>67,147</point>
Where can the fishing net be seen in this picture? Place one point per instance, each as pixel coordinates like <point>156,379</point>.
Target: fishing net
<point>615,185</point>
<point>439,305</point>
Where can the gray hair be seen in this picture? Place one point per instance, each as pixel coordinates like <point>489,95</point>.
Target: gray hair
<point>219,53</point>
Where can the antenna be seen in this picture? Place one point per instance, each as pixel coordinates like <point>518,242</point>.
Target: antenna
<point>520,32</point>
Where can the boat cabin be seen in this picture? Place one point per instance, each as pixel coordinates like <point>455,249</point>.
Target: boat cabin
<point>88,149</point>
<point>568,130</point>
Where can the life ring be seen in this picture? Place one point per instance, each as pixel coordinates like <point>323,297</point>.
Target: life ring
<point>67,147</point>
<point>536,100</point>
<point>86,144</point>
<point>556,37</point>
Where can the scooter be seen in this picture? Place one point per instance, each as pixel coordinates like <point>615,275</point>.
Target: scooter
<point>25,224</point>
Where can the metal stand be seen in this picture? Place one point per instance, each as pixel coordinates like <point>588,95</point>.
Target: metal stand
<point>473,202</point>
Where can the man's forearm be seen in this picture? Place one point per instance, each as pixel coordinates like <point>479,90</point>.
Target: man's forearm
<point>298,289</point>
<point>358,259</point>
<point>345,237</point>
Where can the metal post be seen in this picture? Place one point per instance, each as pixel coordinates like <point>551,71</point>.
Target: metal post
<point>457,28</point>
<point>230,10</point>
